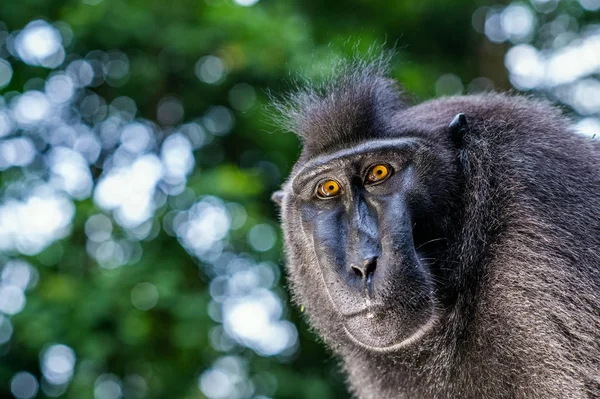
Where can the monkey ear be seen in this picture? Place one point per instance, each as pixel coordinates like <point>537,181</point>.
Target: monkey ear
<point>277,197</point>
<point>458,128</point>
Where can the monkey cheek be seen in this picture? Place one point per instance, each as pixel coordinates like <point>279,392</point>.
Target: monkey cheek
<point>390,329</point>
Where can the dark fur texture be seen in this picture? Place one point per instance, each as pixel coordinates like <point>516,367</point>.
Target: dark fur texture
<point>339,113</point>
<point>516,261</point>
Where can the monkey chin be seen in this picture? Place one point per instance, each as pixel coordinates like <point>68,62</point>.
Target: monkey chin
<point>384,331</point>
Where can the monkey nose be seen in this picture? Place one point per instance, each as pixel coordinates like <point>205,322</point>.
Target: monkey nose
<point>366,269</point>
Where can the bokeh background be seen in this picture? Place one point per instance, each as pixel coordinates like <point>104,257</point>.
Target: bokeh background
<point>140,256</point>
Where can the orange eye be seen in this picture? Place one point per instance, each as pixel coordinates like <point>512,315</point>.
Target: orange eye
<point>328,189</point>
<point>378,173</point>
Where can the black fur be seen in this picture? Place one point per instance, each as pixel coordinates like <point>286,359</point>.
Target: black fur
<point>345,111</point>
<point>511,242</point>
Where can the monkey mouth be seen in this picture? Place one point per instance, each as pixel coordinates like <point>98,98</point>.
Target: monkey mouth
<point>369,310</point>
<point>388,312</point>
<point>382,330</point>
<point>386,325</point>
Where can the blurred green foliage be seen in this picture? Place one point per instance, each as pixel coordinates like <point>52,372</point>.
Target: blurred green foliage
<point>264,46</point>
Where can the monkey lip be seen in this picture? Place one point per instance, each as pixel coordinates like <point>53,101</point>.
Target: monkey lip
<point>387,328</point>
<point>367,311</point>
<point>382,336</point>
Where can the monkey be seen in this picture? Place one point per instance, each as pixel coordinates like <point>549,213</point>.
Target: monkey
<point>444,249</point>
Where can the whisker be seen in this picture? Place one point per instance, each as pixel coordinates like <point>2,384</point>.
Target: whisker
<point>430,241</point>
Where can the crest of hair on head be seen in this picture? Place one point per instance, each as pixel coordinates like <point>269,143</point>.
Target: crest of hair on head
<point>351,105</point>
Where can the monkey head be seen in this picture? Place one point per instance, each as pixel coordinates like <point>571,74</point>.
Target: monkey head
<point>367,196</point>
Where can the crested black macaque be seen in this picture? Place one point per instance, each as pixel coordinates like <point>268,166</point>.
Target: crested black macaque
<point>449,249</point>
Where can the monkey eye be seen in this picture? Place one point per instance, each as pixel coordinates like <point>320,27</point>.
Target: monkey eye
<point>328,189</point>
<point>378,173</point>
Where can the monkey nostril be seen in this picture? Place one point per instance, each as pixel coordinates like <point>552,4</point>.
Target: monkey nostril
<point>358,271</point>
<point>367,268</point>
